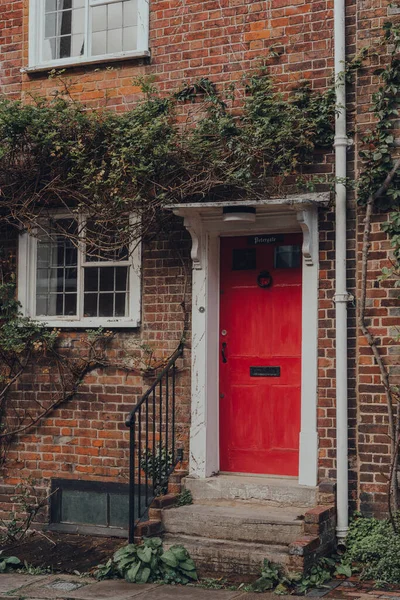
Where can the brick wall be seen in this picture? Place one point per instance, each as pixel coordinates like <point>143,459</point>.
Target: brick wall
<point>383,307</point>
<point>11,47</point>
<point>188,40</point>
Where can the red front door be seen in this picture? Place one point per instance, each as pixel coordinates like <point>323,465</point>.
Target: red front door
<point>260,354</point>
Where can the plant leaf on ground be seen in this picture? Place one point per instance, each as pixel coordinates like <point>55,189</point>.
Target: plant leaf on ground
<point>8,562</point>
<point>149,562</point>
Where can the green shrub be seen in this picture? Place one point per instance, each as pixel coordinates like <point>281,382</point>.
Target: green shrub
<point>149,562</point>
<point>375,548</point>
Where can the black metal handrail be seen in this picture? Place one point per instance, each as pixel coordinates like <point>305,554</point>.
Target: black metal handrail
<point>153,454</point>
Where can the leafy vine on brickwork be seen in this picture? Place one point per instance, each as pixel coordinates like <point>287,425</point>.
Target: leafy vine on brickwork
<point>379,189</point>
<point>106,165</point>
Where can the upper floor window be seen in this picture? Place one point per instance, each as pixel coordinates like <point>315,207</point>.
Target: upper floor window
<point>68,32</point>
<point>70,283</point>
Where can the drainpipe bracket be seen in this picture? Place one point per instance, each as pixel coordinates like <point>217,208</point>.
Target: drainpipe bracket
<point>345,297</point>
<point>343,140</point>
<point>341,532</point>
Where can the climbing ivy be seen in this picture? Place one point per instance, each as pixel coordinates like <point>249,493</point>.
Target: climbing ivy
<point>58,153</point>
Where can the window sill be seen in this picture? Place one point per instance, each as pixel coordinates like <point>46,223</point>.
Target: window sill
<point>88,323</point>
<point>73,62</point>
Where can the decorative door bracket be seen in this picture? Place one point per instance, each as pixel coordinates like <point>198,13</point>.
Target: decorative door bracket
<point>194,227</point>
<point>308,221</point>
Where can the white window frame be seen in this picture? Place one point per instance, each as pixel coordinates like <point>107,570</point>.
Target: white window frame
<point>36,23</point>
<point>27,263</point>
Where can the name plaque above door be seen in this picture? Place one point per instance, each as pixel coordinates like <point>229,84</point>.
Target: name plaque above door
<point>265,371</point>
<point>256,240</point>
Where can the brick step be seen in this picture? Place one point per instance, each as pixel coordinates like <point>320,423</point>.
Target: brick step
<point>235,521</point>
<point>273,490</point>
<point>238,561</point>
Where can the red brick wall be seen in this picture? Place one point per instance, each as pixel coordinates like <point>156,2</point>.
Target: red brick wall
<point>11,47</point>
<point>188,40</point>
<point>383,306</point>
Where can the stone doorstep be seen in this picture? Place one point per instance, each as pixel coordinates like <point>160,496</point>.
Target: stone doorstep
<point>281,491</point>
<point>235,520</point>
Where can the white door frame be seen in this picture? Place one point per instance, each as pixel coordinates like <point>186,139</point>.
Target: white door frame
<point>204,221</point>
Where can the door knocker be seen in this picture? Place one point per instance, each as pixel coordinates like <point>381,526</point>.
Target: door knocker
<point>264,280</point>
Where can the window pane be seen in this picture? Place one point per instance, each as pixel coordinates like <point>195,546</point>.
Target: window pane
<point>49,49</point>
<point>78,45</point>
<point>50,25</point>
<point>120,305</point>
<point>71,280</point>
<point>130,13</point>
<point>287,257</point>
<point>114,41</point>
<point>84,507</point>
<point>129,39</point>
<point>91,279</point>
<point>41,306</point>
<point>99,43</point>
<point>99,18</point>
<point>90,305</point>
<point>106,305</point>
<point>106,279</point>
<point>70,304</point>
<point>65,46</point>
<point>78,21</point>
<point>50,5</point>
<point>121,278</point>
<point>114,15</point>
<point>65,24</point>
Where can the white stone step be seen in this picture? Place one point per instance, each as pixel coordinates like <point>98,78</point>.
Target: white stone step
<point>236,520</point>
<point>278,491</point>
<point>236,560</point>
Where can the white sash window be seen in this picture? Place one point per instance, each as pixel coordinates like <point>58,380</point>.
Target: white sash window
<point>67,32</point>
<point>67,284</point>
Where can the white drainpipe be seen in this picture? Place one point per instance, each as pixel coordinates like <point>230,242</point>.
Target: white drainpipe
<point>341,295</point>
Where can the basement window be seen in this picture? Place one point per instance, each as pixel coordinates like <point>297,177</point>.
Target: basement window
<point>91,506</point>
<point>70,32</point>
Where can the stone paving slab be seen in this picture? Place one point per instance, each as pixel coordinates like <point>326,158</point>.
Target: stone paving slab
<point>13,581</point>
<point>111,588</point>
<point>172,592</point>
<point>51,586</point>
<point>71,587</point>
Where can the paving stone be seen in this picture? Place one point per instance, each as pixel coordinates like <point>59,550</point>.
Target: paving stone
<point>111,589</point>
<point>13,581</point>
<point>267,596</point>
<point>173,592</point>
<point>51,586</point>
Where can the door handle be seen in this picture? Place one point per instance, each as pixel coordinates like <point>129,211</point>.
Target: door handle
<point>224,359</point>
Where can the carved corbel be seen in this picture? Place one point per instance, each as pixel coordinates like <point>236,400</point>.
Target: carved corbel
<point>308,221</point>
<point>194,226</point>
